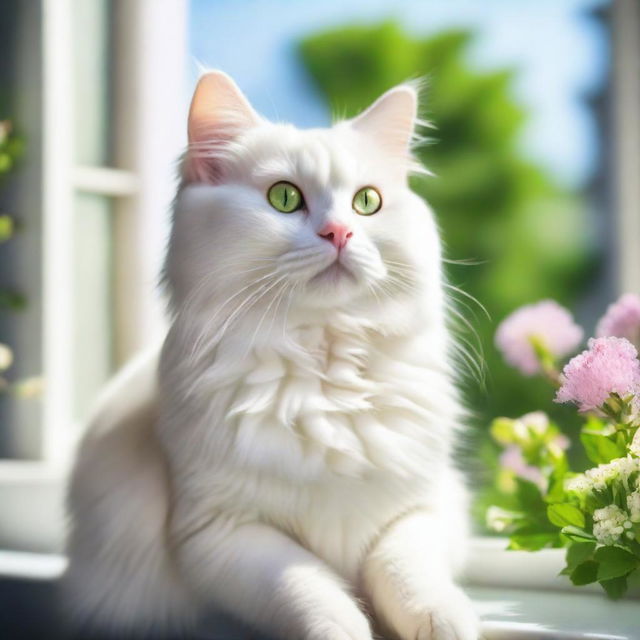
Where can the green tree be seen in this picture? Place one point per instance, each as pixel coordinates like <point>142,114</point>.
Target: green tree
<point>493,204</point>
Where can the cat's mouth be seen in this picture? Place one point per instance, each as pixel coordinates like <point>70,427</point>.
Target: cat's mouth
<point>335,272</point>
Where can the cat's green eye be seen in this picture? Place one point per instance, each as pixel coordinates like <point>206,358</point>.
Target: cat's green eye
<point>285,197</point>
<point>367,201</point>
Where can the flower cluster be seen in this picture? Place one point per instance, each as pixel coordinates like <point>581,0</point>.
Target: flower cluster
<point>622,319</point>
<point>513,460</point>
<point>545,503</point>
<point>609,366</point>
<point>634,447</point>
<point>544,326</point>
<point>620,470</point>
<point>610,523</point>
<point>633,505</point>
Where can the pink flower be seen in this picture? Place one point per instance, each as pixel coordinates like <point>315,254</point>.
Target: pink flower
<point>622,319</point>
<point>546,323</point>
<point>610,365</point>
<point>513,460</point>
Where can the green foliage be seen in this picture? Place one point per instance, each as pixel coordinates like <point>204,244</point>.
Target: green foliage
<point>615,588</point>
<point>600,448</point>
<point>576,534</point>
<point>585,573</point>
<point>12,301</point>
<point>493,205</point>
<point>615,562</point>
<point>6,227</point>
<point>610,566</point>
<point>596,513</point>
<point>565,515</point>
<point>11,150</point>
<point>579,553</point>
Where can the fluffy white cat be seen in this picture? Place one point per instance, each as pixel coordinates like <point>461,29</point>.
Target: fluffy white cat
<point>291,461</point>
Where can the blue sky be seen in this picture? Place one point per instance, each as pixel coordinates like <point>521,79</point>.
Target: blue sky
<point>560,52</point>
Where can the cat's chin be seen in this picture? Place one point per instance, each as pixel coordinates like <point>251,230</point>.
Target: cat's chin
<point>332,286</point>
<point>336,274</point>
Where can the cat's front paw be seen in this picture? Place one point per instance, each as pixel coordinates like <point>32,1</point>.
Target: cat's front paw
<point>449,616</point>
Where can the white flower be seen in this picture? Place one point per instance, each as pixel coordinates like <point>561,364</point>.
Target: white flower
<point>634,447</point>
<point>596,479</point>
<point>499,519</point>
<point>578,484</point>
<point>6,357</point>
<point>609,524</point>
<point>633,504</point>
<point>537,421</point>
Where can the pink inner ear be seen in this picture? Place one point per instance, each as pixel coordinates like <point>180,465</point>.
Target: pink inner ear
<point>218,114</point>
<point>204,162</point>
<point>201,169</point>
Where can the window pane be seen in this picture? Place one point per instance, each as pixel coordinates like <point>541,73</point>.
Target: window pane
<point>92,31</point>
<point>93,358</point>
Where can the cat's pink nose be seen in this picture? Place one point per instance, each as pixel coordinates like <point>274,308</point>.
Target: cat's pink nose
<point>336,233</point>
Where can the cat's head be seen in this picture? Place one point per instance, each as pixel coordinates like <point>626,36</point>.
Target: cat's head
<point>318,219</point>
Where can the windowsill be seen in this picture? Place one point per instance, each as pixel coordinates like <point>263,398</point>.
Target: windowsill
<point>539,614</point>
<point>23,565</point>
<point>31,504</point>
<point>510,613</point>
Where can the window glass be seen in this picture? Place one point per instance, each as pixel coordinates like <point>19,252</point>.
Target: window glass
<point>93,313</point>
<point>92,86</point>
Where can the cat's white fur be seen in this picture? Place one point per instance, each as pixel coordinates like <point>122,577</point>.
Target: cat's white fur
<point>291,464</point>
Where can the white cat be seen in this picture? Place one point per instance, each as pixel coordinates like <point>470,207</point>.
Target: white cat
<point>291,464</point>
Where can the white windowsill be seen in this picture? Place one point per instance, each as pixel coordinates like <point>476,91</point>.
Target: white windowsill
<point>509,613</point>
<point>490,566</point>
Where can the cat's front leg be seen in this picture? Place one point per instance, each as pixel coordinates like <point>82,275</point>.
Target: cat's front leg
<point>408,577</point>
<point>264,578</point>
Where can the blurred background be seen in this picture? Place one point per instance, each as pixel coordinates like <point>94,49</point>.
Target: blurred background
<point>535,150</point>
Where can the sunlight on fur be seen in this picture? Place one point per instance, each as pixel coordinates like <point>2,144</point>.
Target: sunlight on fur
<point>287,457</point>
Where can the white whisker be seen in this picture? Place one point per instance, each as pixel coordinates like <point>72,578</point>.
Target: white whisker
<point>210,322</point>
<point>469,297</point>
<point>264,315</point>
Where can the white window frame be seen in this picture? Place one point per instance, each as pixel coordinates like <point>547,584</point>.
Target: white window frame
<point>625,15</point>
<point>151,41</point>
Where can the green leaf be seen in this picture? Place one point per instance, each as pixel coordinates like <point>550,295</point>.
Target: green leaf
<point>585,573</point>
<point>615,562</point>
<point>615,588</point>
<point>594,424</point>
<point>6,227</point>
<point>600,449</point>
<point>529,496</point>
<point>555,491</point>
<point>565,515</point>
<point>578,553</point>
<point>532,541</point>
<point>12,301</point>
<point>577,534</point>
<point>5,162</point>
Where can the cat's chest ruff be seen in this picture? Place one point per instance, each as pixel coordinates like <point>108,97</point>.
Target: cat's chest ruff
<point>322,406</point>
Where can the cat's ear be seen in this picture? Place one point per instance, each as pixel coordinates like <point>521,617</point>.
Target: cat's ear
<point>219,112</point>
<point>391,119</point>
